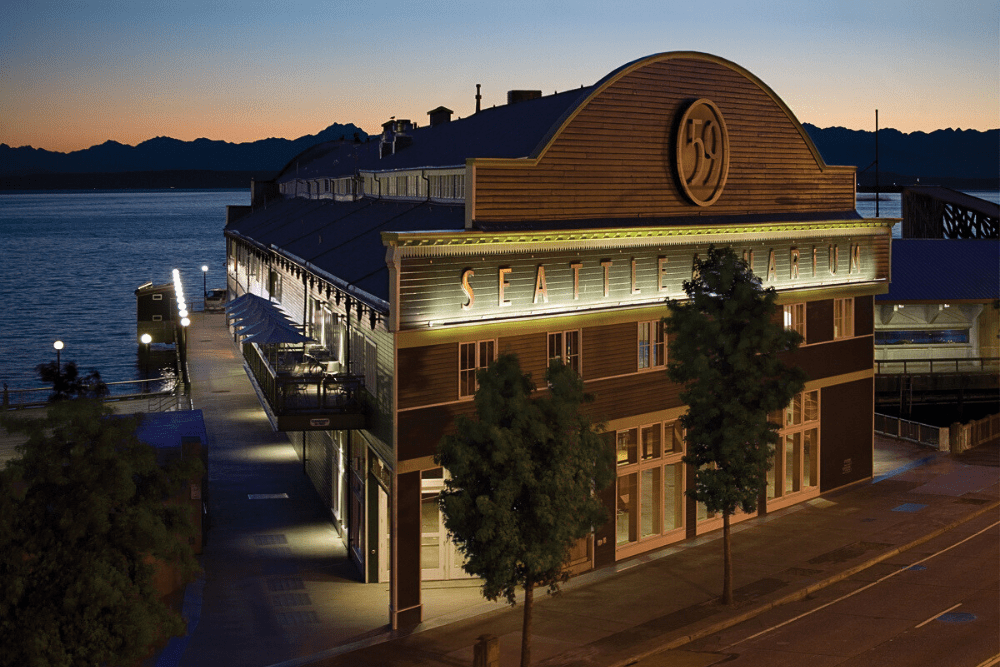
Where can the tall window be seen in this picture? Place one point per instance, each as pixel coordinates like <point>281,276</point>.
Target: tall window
<point>565,345</point>
<point>652,352</point>
<point>795,318</point>
<point>796,457</point>
<point>843,318</point>
<point>650,486</point>
<point>473,357</point>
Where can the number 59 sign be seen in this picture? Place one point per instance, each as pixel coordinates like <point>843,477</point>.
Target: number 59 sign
<point>702,152</point>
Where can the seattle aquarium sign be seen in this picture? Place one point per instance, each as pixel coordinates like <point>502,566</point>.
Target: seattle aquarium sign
<point>445,278</point>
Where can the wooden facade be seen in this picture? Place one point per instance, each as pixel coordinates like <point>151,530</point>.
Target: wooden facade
<point>588,236</point>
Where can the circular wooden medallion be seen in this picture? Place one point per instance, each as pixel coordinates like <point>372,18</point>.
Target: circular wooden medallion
<point>702,152</point>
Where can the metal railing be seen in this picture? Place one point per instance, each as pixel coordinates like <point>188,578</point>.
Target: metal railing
<point>957,365</point>
<point>302,389</point>
<point>894,427</point>
<point>161,394</point>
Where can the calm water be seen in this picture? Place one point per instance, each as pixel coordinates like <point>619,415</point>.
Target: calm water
<point>71,261</point>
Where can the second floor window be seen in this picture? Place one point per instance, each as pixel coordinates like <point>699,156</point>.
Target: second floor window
<point>565,345</point>
<point>473,357</point>
<point>843,318</point>
<point>652,351</point>
<point>795,318</point>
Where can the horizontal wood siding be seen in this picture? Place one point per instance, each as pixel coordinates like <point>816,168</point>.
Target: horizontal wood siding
<point>532,353</point>
<point>630,395</point>
<point>819,321</point>
<point>615,158</point>
<point>420,431</point>
<point>864,315</point>
<point>834,358</point>
<point>846,433</point>
<point>610,350</point>
<point>427,375</point>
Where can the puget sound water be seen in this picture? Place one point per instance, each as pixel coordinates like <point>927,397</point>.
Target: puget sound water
<point>70,262</point>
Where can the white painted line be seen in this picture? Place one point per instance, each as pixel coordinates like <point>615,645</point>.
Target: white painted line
<point>863,588</point>
<point>936,616</point>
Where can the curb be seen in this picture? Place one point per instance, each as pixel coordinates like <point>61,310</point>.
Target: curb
<point>795,596</point>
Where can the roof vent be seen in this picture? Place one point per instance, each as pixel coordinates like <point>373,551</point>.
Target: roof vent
<point>515,96</point>
<point>440,115</point>
<point>394,136</point>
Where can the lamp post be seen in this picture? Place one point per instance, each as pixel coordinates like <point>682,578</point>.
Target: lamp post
<point>59,346</point>
<point>204,281</point>
<point>146,340</point>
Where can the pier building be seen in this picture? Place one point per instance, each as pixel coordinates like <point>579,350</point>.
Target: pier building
<point>550,226</point>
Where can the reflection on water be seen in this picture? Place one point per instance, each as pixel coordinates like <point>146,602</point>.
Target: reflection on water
<point>70,262</point>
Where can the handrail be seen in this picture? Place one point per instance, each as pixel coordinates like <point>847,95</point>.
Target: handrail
<point>953,365</point>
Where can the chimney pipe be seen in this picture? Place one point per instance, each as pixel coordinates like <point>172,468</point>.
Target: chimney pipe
<point>478,98</point>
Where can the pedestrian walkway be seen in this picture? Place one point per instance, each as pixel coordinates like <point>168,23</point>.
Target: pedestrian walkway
<point>278,588</point>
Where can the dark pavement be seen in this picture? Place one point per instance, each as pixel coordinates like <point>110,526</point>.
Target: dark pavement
<point>278,590</point>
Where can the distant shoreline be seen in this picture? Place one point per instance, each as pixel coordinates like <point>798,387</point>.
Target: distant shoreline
<point>135,180</point>
<point>201,179</point>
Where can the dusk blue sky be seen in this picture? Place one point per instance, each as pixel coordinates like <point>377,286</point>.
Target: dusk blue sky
<point>75,74</point>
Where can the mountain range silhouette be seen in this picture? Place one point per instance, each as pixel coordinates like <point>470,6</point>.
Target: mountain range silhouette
<point>958,158</point>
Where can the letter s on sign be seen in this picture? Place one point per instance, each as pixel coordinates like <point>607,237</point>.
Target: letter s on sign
<point>467,288</point>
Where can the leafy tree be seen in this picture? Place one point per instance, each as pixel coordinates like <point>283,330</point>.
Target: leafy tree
<point>83,519</point>
<point>724,347</point>
<point>523,476</point>
<point>67,382</point>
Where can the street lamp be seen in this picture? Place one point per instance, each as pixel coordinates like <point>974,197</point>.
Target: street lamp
<point>59,346</point>
<point>146,340</point>
<point>204,279</point>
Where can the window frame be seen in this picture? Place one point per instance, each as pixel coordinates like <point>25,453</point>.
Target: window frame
<point>664,461</point>
<point>564,353</point>
<point>846,329</point>
<point>477,364</point>
<point>794,317</point>
<point>651,345</point>
<point>794,420</point>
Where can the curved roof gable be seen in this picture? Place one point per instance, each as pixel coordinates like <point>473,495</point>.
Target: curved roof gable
<point>614,154</point>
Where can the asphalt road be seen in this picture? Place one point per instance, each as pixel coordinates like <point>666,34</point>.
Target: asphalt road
<point>933,606</point>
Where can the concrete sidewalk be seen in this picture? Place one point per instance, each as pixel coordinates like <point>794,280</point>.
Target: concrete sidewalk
<point>278,589</point>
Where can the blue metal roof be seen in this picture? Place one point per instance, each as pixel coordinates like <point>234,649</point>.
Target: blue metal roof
<point>344,239</point>
<point>940,270</point>
<point>508,131</point>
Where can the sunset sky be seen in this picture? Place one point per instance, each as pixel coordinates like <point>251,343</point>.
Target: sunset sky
<point>75,74</point>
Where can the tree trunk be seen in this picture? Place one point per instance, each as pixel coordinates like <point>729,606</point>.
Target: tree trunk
<point>529,589</point>
<point>727,563</point>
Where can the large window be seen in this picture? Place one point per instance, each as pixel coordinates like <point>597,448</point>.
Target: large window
<point>795,318</point>
<point>565,345</point>
<point>796,457</point>
<point>473,357</point>
<point>925,337</point>
<point>843,318</point>
<point>652,352</point>
<point>649,499</point>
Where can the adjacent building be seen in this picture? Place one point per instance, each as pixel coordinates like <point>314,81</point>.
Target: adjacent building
<point>552,226</point>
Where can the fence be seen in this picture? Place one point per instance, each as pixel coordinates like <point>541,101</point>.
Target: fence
<point>923,434</point>
<point>974,434</point>
<point>162,394</point>
<point>913,366</point>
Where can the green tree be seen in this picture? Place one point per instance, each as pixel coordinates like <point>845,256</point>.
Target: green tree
<point>725,347</point>
<point>67,382</point>
<point>523,476</point>
<point>83,519</point>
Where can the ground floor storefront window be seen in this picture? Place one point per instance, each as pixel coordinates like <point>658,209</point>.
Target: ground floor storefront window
<point>440,559</point>
<point>650,487</point>
<point>795,473</point>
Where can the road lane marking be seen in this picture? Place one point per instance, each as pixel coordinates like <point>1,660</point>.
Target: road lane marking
<point>863,588</point>
<point>936,616</point>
